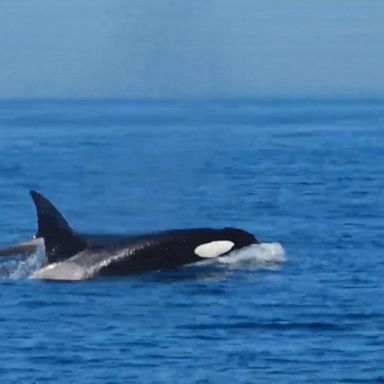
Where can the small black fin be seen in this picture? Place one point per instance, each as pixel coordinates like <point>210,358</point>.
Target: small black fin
<point>25,248</point>
<point>61,242</point>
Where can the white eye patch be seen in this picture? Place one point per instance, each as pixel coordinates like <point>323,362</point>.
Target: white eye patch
<point>214,248</point>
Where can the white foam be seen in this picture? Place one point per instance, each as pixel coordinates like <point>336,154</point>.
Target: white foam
<point>255,256</point>
<point>22,269</point>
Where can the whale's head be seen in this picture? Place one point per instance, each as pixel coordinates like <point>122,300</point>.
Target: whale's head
<point>239,237</point>
<point>221,242</point>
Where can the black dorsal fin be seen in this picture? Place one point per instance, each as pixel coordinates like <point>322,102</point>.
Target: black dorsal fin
<point>61,241</point>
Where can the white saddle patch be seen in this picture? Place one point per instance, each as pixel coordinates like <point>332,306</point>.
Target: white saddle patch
<point>214,248</point>
<point>64,270</point>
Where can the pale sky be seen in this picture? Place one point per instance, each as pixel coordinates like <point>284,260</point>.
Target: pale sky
<point>199,48</point>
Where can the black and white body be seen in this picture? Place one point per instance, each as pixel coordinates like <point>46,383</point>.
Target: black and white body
<point>74,256</point>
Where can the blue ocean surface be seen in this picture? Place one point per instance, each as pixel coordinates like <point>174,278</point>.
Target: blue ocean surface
<point>305,176</point>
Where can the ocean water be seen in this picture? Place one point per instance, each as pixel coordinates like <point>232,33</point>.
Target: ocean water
<point>305,176</point>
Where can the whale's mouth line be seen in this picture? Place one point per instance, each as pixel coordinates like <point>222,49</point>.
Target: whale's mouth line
<point>253,256</point>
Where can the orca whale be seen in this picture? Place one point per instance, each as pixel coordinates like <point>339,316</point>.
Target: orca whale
<point>71,255</point>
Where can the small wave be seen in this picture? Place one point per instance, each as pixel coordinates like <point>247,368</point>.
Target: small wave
<point>278,326</point>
